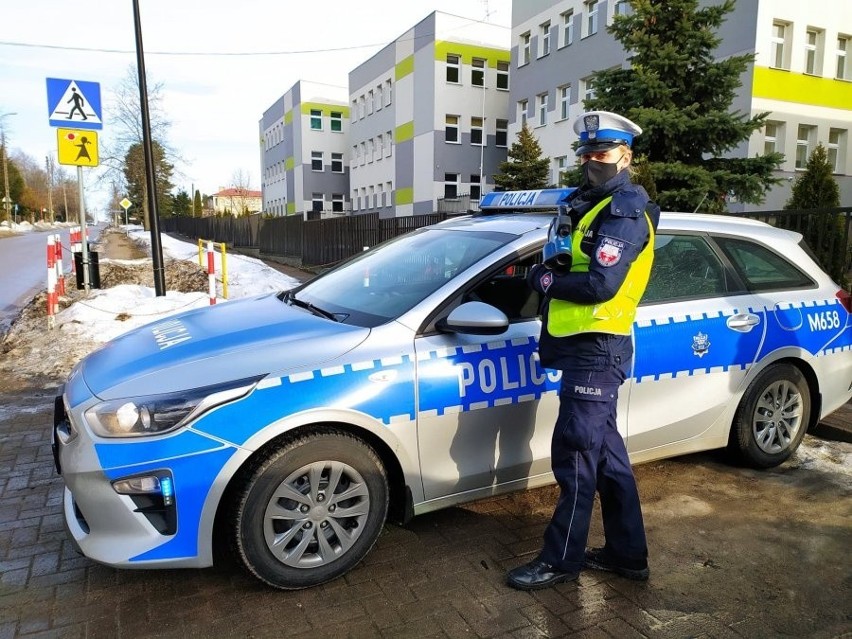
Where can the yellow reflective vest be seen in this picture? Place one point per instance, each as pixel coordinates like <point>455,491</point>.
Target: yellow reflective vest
<point>615,316</point>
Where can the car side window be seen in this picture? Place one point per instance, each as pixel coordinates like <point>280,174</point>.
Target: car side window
<point>507,290</point>
<point>761,268</point>
<point>685,267</point>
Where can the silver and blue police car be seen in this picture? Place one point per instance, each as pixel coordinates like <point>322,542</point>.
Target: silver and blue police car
<point>288,427</point>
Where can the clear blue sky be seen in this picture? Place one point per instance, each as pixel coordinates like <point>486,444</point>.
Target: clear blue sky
<point>213,101</point>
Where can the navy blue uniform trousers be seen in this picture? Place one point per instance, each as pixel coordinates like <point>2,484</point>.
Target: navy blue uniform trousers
<point>588,455</point>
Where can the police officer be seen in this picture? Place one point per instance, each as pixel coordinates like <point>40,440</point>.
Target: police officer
<point>587,318</point>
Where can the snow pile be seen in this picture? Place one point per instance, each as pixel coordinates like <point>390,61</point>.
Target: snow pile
<point>85,321</point>
<point>11,228</point>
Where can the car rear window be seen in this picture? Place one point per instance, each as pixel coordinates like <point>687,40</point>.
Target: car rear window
<point>761,268</point>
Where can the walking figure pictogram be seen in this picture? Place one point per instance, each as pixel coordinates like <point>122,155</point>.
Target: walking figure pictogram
<point>78,101</point>
<point>83,152</point>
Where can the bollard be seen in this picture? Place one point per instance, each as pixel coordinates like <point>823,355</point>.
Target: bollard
<point>211,273</point>
<point>200,264</point>
<point>52,301</point>
<point>60,271</point>
<point>224,271</point>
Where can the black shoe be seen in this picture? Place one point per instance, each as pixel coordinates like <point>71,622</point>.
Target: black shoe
<point>600,559</point>
<point>536,575</point>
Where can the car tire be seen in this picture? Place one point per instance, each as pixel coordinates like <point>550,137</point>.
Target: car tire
<point>772,417</point>
<point>309,510</point>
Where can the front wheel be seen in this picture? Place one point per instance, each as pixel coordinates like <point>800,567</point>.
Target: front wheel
<point>310,510</point>
<point>772,417</point>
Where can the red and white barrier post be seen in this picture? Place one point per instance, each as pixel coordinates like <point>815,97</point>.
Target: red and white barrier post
<point>60,271</point>
<point>52,297</point>
<point>211,272</point>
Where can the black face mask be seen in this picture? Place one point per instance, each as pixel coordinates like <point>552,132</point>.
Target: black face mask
<point>596,173</point>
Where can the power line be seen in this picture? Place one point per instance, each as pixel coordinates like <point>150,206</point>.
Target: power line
<point>189,53</point>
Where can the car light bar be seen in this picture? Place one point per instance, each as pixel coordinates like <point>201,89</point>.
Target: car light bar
<point>506,201</point>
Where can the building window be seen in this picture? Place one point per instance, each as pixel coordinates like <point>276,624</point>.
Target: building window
<point>451,185</point>
<point>588,87</point>
<point>836,149</point>
<point>544,37</point>
<point>336,121</point>
<point>567,28</point>
<point>388,92</point>
<point>361,108</point>
<point>525,48</point>
<point>522,112</point>
<point>842,69</point>
<point>501,137</point>
<point>778,46</point>
<point>564,101</point>
<point>451,131</point>
<point>591,17</point>
<point>337,202</point>
<point>382,196</point>
<point>621,7</point>
<point>453,68</point>
<point>370,150</point>
<point>476,131</point>
<point>379,98</point>
<point>503,75</point>
<point>370,102</point>
<point>316,120</point>
<point>477,72</point>
<point>813,52</point>
<point>362,156</point>
<point>542,109</point>
<point>559,166</point>
<point>371,198</point>
<point>803,141</point>
<point>380,146</point>
<point>389,143</point>
<point>771,137</point>
<point>337,163</point>
<point>389,189</point>
<point>475,189</point>
<point>316,160</point>
<point>316,202</point>
<point>353,113</point>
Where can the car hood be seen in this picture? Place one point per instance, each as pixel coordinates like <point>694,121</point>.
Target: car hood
<point>245,338</point>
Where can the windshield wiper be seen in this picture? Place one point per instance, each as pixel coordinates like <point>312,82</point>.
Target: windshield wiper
<point>290,298</point>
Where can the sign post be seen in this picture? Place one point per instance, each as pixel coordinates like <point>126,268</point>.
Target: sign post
<point>125,204</point>
<point>78,103</point>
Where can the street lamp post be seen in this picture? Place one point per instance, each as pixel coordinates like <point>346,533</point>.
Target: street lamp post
<point>7,199</point>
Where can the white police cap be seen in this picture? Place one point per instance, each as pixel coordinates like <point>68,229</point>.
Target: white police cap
<point>603,130</point>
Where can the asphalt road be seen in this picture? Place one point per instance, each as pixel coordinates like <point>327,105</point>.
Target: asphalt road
<point>23,268</point>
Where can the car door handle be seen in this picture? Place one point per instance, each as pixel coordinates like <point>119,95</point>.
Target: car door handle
<point>743,322</point>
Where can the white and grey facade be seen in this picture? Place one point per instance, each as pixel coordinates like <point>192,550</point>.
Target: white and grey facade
<point>303,151</point>
<point>429,116</point>
<point>801,75</point>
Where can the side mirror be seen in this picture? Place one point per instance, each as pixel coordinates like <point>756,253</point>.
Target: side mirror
<point>474,318</point>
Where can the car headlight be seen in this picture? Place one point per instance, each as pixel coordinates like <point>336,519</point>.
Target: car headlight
<point>158,414</point>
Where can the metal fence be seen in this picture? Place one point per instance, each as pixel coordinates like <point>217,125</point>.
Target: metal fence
<point>317,243</point>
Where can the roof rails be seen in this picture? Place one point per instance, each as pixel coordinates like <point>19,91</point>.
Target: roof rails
<point>533,200</point>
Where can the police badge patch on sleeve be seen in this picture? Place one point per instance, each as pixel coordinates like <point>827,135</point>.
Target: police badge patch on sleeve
<point>609,252</point>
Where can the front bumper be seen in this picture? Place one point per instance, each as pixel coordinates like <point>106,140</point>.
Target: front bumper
<point>138,530</point>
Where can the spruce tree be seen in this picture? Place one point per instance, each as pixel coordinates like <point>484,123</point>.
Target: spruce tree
<point>681,97</point>
<point>196,204</point>
<point>525,169</point>
<point>822,229</point>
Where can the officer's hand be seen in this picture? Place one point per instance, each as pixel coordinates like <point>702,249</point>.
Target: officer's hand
<point>540,278</point>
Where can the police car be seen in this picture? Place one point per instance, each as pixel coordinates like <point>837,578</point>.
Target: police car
<point>287,427</point>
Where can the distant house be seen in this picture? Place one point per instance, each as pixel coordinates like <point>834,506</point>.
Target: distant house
<point>236,201</point>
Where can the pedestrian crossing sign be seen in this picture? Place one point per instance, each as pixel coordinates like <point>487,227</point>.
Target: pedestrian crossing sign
<point>77,147</point>
<point>74,103</point>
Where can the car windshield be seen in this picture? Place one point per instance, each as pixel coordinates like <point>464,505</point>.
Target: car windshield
<point>384,283</point>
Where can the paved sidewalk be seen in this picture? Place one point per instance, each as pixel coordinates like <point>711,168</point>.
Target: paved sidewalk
<point>735,553</point>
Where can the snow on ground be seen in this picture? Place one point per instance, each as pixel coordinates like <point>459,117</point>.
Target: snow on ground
<point>11,228</point>
<point>86,321</point>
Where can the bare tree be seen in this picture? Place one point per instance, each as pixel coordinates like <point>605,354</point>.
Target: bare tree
<point>238,198</point>
<point>126,113</point>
